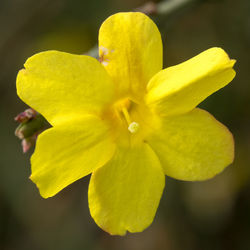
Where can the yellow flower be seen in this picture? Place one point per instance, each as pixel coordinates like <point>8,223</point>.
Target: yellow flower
<point>126,121</point>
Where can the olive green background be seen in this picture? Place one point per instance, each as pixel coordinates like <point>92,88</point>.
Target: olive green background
<point>214,214</point>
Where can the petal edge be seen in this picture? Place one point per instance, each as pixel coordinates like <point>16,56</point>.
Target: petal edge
<point>125,193</point>
<point>193,146</point>
<point>179,89</point>
<point>68,152</point>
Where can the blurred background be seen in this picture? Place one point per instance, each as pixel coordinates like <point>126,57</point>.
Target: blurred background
<point>214,214</point>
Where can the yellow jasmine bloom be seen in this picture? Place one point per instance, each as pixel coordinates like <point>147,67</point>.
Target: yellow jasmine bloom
<point>126,121</point>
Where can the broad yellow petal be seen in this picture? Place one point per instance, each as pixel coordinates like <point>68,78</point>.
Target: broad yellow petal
<point>68,152</point>
<point>130,47</point>
<point>59,84</point>
<point>180,88</point>
<point>125,193</point>
<point>194,146</point>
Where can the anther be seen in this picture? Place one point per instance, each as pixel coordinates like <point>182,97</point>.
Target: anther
<point>133,127</point>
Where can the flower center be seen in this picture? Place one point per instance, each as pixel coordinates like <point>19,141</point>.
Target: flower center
<point>122,108</point>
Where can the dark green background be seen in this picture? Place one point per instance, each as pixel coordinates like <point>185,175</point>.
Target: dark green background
<point>214,214</point>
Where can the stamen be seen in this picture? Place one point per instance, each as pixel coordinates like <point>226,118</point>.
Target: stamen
<point>126,115</point>
<point>133,127</point>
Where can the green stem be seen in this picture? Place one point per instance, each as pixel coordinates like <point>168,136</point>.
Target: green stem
<point>168,7</point>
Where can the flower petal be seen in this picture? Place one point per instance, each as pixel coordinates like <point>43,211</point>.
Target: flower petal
<point>194,146</point>
<point>125,193</point>
<point>57,84</point>
<point>180,88</point>
<point>130,47</point>
<point>68,152</point>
